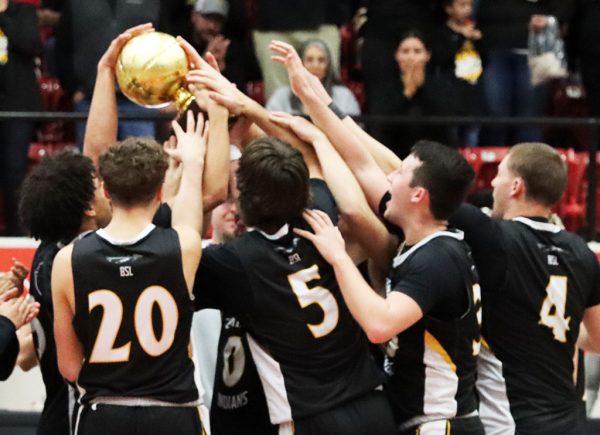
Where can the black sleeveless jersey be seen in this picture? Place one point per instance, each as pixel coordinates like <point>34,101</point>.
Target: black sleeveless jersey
<point>309,352</point>
<point>238,401</point>
<point>537,281</point>
<point>55,415</point>
<point>133,315</point>
<point>432,365</point>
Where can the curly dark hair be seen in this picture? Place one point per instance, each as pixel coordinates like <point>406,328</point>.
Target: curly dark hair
<point>133,170</point>
<point>55,196</point>
<point>273,181</point>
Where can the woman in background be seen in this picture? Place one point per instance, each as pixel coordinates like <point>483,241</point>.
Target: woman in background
<point>316,57</point>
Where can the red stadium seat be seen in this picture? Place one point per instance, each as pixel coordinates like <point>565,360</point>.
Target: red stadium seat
<point>572,207</point>
<point>485,161</point>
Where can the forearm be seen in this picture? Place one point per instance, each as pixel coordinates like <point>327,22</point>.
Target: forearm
<point>260,117</point>
<point>102,123</point>
<point>371,179</point>
<point>216,168</point>
<point>362,223</point>
<point>368,308</point>
<point>27,358</point>
<point>385,158</point>
<point>187,206</point>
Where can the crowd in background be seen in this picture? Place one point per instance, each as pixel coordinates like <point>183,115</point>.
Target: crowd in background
<point>379,57</point>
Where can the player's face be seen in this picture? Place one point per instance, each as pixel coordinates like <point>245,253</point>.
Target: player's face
<point>501,185</point>
<point>411,52</point>
<point>101,205</point>
<point>460,10</point>
<point>224,221</point>
<point>401,190</point>
<point>315,61</point>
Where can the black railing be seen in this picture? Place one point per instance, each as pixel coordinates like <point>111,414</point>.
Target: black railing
<point>593,124</point>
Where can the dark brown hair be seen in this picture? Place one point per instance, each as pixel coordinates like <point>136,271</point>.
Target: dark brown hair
<point>273,182</point>
<point>133,170</point>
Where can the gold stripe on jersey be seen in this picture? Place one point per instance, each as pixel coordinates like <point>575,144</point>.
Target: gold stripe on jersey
<point>431,342</point>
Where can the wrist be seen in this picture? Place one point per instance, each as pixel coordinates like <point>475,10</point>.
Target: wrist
<point>341,259</point>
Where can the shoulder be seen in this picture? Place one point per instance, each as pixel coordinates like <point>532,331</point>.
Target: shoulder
<point>280,99</point>
<point>345,99</point>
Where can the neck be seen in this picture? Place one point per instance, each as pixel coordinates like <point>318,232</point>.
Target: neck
<point>127,223</point>
<point>527,209</point>
<point>416,231</point>
<point>88,224</point>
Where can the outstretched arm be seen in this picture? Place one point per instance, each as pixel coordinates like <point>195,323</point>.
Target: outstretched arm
<point>381,318</point>
<point>347,141</point>
<point>363,227</point>
<point>102,123</point>
<point>239,104</point>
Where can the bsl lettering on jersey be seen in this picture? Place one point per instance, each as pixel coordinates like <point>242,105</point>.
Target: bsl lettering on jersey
<point>125,271</point>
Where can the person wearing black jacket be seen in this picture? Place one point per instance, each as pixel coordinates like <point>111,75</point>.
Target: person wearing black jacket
<point>19,44</point>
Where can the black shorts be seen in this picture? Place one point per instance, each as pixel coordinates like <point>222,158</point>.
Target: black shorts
<point>570,422</point>
<point>455,426</point>
<point>368,414</point>
<point>137,420</point>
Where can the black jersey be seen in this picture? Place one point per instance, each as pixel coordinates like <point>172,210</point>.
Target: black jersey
<point>238,400</point>
<point>55,415</point>
<point>432,366</point>
<point>133,315</point>
<point>537,281</point>
<point>309,352</point>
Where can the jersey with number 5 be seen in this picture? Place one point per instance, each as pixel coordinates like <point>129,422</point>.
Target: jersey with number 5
<point>133,315</point>
<point>531,321</point>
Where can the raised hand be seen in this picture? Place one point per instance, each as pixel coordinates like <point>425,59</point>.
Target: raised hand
<point>173,174</point>
<point>18,310</point>
<point>110,56</point>
<point>326,237</point>
<point>303,83</point>
<point>301,127</point>
<point>191,143</point>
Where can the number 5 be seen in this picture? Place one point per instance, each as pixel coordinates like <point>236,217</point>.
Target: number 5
<point>315,295</point>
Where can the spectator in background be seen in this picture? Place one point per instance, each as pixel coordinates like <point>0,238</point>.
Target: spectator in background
<point>19,45</point>
<point>415,93</point>
<point>316,57</point>
<point>280,20</point>
<point>211,32</point>
<point>455,58</point>
<point>584,35</point>
<point>86,30</point>
<point>387,22</point>
<point>508,90</point>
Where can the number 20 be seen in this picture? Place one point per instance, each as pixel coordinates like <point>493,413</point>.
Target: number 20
<point>112,317</point>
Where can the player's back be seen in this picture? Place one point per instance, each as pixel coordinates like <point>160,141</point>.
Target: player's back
<point>309,351</point>
<point>133,317</point>
<point>532,320</point>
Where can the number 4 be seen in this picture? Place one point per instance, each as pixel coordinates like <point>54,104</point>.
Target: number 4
<point>556,298</point>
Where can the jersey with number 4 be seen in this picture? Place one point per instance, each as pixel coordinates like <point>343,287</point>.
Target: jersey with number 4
<point>310,353</point>
<point>537,280</point>
<point>133,314</point>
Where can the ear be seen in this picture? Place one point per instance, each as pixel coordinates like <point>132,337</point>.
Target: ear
<point>517,187</point>
<point>419,194</point>
<point>106,194</point>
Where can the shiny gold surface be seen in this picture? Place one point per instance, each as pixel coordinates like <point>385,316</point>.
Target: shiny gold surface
<point>151,69</point>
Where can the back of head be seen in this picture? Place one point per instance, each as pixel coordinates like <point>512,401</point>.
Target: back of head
<point>133,171</point>
<point>542,169</point>
<point>273,184</point>
<point>445,174</point>
<point>55,196</point>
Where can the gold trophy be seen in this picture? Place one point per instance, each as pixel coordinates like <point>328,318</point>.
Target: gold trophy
<point>151,70</point>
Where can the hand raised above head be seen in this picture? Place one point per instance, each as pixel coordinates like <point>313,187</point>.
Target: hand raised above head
<point>110,56</point>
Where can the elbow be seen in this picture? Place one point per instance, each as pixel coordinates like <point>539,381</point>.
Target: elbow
<point>70,372</point>
<point>379,333</point>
